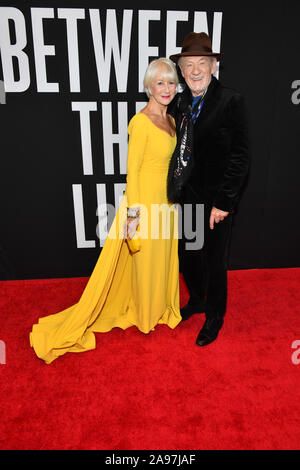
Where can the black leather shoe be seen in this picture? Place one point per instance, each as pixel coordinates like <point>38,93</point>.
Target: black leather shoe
<point>189,309</point>
<point>209,332</point>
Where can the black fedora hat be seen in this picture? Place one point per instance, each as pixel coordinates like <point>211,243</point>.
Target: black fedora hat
<point>196,44</point>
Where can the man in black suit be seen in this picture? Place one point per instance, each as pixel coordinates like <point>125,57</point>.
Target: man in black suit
<point>208,167</point>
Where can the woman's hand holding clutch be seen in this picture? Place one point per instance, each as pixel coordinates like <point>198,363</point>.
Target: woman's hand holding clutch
<point>131,227</point>
<point>131,235</point>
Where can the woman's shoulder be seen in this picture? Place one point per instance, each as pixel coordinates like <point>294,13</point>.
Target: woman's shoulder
<point>138,120</point>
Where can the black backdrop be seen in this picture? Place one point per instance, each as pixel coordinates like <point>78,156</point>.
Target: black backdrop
<point>49,193</point>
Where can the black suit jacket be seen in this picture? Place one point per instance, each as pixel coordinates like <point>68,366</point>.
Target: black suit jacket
<point>220,149</point>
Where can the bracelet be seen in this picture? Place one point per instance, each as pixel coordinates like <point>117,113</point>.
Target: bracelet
<point>133,212</point>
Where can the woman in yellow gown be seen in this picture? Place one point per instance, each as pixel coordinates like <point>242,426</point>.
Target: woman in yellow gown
<point>129,287</point>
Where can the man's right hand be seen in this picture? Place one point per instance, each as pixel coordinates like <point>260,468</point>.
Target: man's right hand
<point>216,216</point>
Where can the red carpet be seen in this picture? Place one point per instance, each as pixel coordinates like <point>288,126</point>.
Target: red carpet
<point>157,391</point>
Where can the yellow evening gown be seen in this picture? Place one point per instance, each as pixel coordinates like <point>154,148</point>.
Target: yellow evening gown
<point>126,288</point>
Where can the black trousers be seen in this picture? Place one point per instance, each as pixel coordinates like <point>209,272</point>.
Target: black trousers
<point>205,270</point>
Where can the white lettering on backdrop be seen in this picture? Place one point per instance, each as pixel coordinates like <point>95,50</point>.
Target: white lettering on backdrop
<point>111,46</point>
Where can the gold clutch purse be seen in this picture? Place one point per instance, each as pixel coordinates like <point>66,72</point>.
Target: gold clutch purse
<point>134,244</point>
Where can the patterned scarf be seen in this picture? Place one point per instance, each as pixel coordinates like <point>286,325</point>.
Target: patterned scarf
<point>182,163</point>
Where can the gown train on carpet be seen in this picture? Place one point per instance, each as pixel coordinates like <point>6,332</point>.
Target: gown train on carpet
<point>126,289</point>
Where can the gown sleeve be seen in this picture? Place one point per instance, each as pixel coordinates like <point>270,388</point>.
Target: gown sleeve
<point>137,130</point>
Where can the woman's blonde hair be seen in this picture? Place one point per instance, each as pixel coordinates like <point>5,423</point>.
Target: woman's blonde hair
<point>169,72</point>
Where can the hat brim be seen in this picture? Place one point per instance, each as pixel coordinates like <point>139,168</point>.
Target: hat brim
<point>175,57</point>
